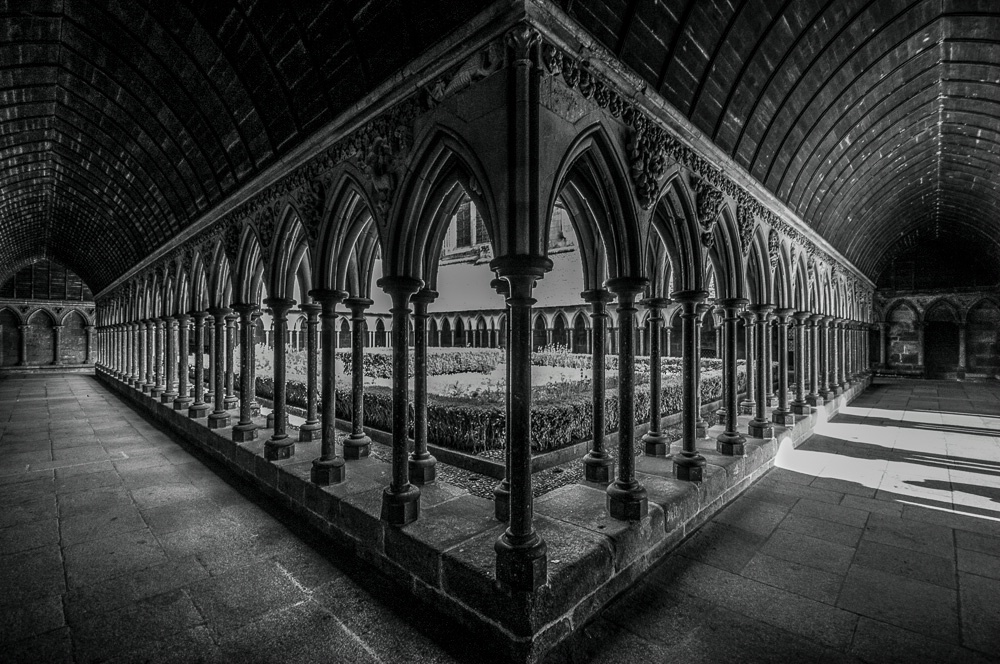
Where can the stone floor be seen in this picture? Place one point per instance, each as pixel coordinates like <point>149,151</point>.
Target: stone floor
<point>877,540</point>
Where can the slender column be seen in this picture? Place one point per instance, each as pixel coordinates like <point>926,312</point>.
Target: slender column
<point>815,397</point>
<point>655,441</point>
<point>961,348</point>
<point>157,344</point>
<point>150,357</point>
<point>667,332</point>
<point>799,405</point>
<point>501,492</point>
<point>688,463</point>
<point>330,467</point>
<point>246,430</point>
<point>212,366</point>
<point>219,418</point>
<point>627,500</point>
<point>840,375</point>
<point>720,334</point>
<point>358,444</point>
<point>231,400</point>
<point>422,464</point>
<point>170,359</point>
<point>134,377</point>
<point>199,408</point>
<point>57,344</point>
<point>183,399</point>
<point>88,356</point>
<point>827,347</point>
<point>279,445</point>
<point>598,465</point>
<point>701,425</point>
<point>140,356</point>
<point>312,428</point>
<point>783,414</point>
<point>759,426</point>
<point>401,499</point>
<point>522,561</point>
<point>748,403</point>
<point>730,442</point>
<point>769,360</point>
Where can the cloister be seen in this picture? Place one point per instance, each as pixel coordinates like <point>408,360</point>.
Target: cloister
<point>218,192</point>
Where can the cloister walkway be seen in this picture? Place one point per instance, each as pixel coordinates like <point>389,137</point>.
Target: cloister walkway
<point>876,540</point>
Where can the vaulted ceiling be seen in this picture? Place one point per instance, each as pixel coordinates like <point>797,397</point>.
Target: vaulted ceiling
<point>871,119</point>
<point>122,122</point>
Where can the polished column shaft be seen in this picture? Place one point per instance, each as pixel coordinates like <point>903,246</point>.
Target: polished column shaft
<point>782,414</point>
<point>279,445</point>
<point>219,417</point>
<point>731,442</point>
<point>358,444</point>
<point>422,464</point>
<point>330,467</point>
<point>759,426</point>
<point>597,463</point>
<point>199,408</point>
<point>311,429</point>
<point>689,465</point>
<point>246,430</point>
<point>183,399</point>
<point>655,442</point>
<point>799,405</point>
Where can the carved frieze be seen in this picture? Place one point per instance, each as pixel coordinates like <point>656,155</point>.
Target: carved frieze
<point>773,248</point>
<point>708,200</point>
<point>747,221</point>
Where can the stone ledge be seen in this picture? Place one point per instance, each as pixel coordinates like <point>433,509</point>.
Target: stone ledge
<point>446,557</point>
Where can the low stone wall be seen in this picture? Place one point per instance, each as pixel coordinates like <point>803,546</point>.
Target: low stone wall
<point>446,557</point>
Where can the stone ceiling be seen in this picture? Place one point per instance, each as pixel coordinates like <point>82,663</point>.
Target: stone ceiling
<point>122,122</point>
<point>869,118</point>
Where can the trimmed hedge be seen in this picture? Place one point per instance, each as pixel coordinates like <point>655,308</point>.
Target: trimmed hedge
<point>440,361</point>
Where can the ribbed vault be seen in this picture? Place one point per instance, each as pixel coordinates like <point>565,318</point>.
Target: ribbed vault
<point>123,122</point>
<point>872,119</point>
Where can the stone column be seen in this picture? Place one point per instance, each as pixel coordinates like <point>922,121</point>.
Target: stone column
<point>183,399</point>
<point>219,418</point>
<point>961,349</point>
<point>170,359</point>
<point>689,464</point>
<point>422,464</point>
<point>770,400</point>
<point>199,408</point>
<point>57,346</point>
<point>627,500</point>
<point>701,425</point>
<point>597,463</point>
<point>521,553</point>
<point>655,441</point>
<point>841,354</point>
<point>829,381</point>
<point>730,442</point>
<point>667,332</point>
<point>311,429</point>
<point>88,357</point>
<point>158,386</point>
<point>815,396</point>
<point>134,375</point>
<point>246,430</point>
<point>329,468</point>
<point>212,366</point>
<point>759,426</point>
<point>799,405</point>
<point>720,332</point>
<point>782,414</point>
<point>231,400</point>
<point>401,499</point>
<point>358,444</point>
<point>150,384</point>
<point>501,492</point>
<point>748,404</point>
<point>279,445</point>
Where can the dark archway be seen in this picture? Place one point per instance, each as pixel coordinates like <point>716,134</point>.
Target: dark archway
<point>941,342</point>
<point>10,339</point>
<point>539,338</point>
<point>982,348</point>
<point>580,344</point>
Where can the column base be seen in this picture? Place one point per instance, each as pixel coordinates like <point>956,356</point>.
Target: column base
<point>198,411</point>
<point>521,566</point>
<point>168,397</point>
<point>771,401</point>
<point>156,392</point>
<point>146,387</point>
<point>815,400</point>
<point>269,420</point>
<point>423,470</point>
<point>627,502</point>
<point>244,433</point>
<point>656,444</point>
<point>689,467</point>
<point>399,509</point>
<point>310,431</point>
<point>746,407</point>
<point>231,402</point>
<point>328,471</point>
<point>829,395</point>
<point>760,429</point>
<point>182,403</point>
<point>598,468</point>
<point>501,501</point>
<point>783,418</point>
<point>219,420</point>
<point>801,408</point>
<point>731,444</point>
<point>357,446</point>
<point>701,429</point>
<point>280,448</point>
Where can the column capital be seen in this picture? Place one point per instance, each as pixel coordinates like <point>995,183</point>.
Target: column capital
<point>655,303</point>
<point>58,327</point>
<point>525,264</point>
<point>500,286</point>
<point>424,296</point>
<point>311,309</point>
<point>199,315</point>
<point>322,295</point>
<point>357,305</point>
<point>219,312</point>
<point>279,306</point>
<point>597,295</point>
<point>783,314</point>
<point>761,310</point>
<point>244,308</point>
<point>815,319</point>
<point>627,285</point>
<point>732,304</point>
<point>802,316</point>
<point>689,296</point>
<point>400,288</point>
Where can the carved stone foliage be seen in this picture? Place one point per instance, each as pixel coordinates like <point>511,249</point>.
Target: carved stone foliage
<point>647,164</point>
<point>231,244</point>
<point>708,200</point>
<point>746,221</point>
<point>773,249</point>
